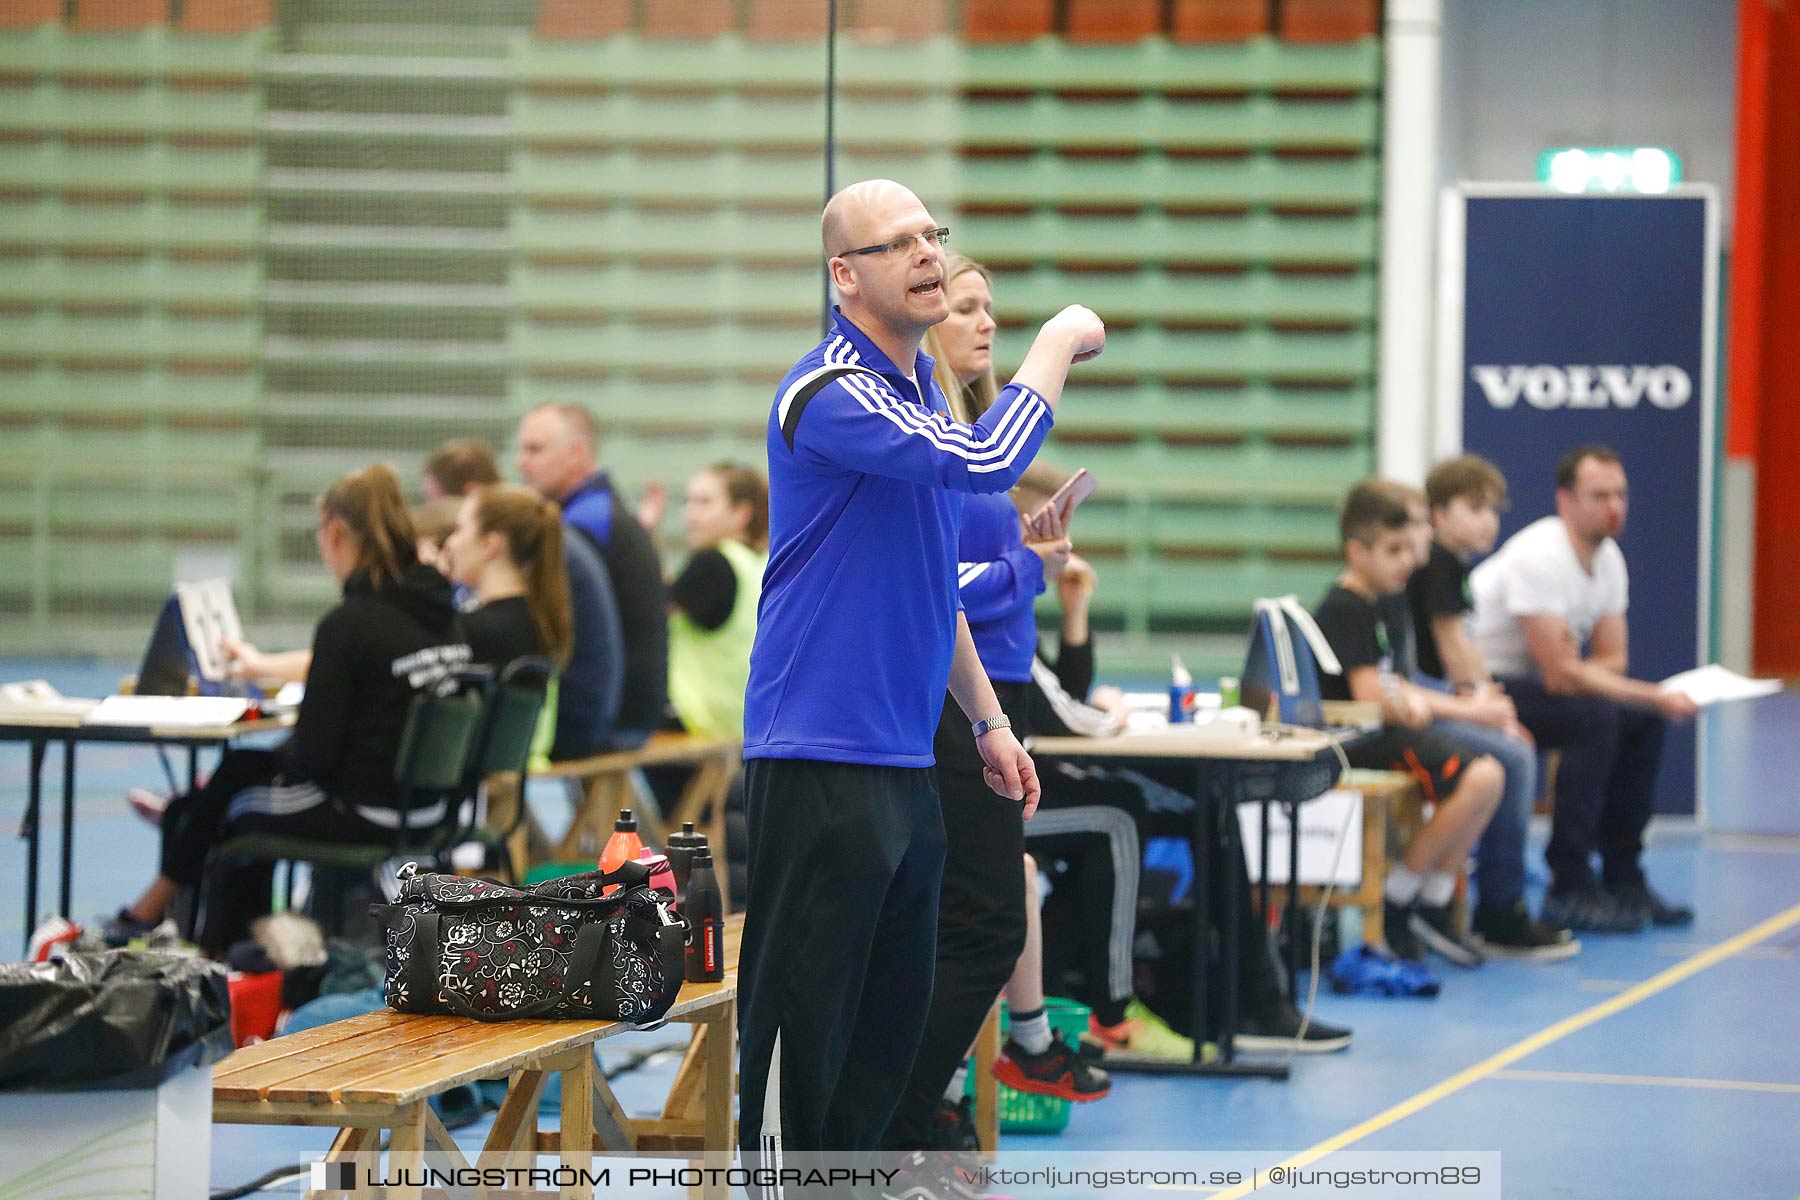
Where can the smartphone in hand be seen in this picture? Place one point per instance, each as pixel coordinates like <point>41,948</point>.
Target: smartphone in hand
<point>1075,489</point>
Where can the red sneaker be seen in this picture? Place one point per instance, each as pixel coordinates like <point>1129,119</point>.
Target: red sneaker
<point>1058,1071</point>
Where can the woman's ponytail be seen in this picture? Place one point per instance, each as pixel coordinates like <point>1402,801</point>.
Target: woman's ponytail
<point>532,529</point>
<point>370,505</point>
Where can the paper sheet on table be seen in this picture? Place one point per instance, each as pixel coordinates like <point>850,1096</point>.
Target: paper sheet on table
<point>35,697</point>
<point>168,711</point>
<point>1715,684</point>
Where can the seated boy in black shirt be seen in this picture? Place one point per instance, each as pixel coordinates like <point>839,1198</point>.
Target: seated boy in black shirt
<point>1464,495</point>
<point>1458,515</point>
<point>1464,787</point>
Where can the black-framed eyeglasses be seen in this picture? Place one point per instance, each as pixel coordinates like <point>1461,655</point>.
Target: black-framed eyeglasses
<point>903,243</point>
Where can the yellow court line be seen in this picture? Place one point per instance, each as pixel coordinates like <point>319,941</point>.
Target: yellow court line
<point>1769,953</point>
<point>1537,1041</point>
<point>1663,1081</point>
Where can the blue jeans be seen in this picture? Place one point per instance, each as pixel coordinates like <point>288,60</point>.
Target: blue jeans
<point>1500,855</point>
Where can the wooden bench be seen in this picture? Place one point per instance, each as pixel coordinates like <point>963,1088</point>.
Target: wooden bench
<point>378,1071</point>
<point>606,785</point>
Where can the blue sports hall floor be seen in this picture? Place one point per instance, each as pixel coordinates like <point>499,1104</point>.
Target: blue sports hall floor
<point>1661,1064</point>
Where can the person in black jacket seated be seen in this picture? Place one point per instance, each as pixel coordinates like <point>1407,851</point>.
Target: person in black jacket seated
<point>558,448</point>
<point>507,548</point>
<point>394,633</point>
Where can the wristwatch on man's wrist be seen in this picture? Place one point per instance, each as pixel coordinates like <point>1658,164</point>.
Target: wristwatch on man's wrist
<point>990,724</point>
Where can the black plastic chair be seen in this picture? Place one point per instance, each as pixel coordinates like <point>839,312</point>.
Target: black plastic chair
<point>436,749</point>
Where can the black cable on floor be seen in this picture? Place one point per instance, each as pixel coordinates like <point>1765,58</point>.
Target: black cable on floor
<point>267,1179</point>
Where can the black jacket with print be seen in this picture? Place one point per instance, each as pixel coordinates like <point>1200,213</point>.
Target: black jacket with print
<point>370,654</point>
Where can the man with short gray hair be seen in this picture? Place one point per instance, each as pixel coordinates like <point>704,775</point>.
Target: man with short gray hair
<point>559,458</point>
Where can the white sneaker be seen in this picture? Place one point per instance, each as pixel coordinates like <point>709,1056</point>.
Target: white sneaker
<point>147,804</point>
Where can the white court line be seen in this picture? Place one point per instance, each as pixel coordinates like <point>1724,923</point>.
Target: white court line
<point>1662,1081</point>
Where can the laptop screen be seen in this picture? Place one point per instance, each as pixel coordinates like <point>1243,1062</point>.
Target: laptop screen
<point>165,668</point>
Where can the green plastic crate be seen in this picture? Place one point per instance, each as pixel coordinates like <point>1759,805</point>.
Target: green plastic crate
<point>1027,1112</point>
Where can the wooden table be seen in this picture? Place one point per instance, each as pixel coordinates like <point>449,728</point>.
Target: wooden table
<point>1219,760</point>
<point>378,1071</point>
<point>38,730</point>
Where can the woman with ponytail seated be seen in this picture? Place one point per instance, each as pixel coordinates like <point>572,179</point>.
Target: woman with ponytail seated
<point>507,548</point>
<point>395,632</point>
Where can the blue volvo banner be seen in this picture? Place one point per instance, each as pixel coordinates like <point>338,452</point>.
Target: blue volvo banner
<point>1573,319</point>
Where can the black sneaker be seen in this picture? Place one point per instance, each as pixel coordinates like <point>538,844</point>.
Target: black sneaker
<point>1435,926</point>
<point>953,1125</point>
<point>1590,910</point>
<point>1278,1032</point>
<point>1512,933</point>
<point>1058,1071</point>
<point>932,1175</point>
<point>1396,931</point>
<point>1638,899</point>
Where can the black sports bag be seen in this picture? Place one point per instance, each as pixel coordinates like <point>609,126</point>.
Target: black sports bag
<point>478,948</point>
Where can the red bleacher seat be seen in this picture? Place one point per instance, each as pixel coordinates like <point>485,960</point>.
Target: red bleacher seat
<point>1113,20</point>
<point>107,15</point>
<point>1007,20</point>
<point>689,18</point>
<point>576,19</point>
<point>1218,20</point>
<point>787,20</point>
<point>226,16</point>
<point>1329,20</point>
<point>22,14</point>
<point>901,20</point>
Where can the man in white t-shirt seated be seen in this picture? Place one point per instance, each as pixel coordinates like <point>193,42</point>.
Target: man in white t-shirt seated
<point>1550,622</point>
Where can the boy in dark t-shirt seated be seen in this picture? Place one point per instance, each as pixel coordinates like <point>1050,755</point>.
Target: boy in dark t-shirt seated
<point>1463,787</point>
<point>1456,519</point>
<point>1464,495</point>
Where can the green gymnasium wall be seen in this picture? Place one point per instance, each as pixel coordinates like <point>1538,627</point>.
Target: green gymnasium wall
<point>234,264</point>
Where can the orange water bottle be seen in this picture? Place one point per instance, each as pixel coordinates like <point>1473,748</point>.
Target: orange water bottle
<point>623,846</point>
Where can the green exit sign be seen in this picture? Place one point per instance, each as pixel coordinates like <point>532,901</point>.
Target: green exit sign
<point>1609,169</point>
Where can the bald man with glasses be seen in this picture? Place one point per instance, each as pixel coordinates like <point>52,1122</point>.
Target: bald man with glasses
<point>859,633</point>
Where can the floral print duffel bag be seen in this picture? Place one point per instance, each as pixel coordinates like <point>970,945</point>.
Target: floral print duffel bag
<point>600,947</point>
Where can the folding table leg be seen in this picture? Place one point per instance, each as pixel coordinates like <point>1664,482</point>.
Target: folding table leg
<point>577,1142</point>
<point>512,1142</point>
<point>719,1130</point>
<point>406,1152</point>
<point>348,1144</point>
<point>987,1088</point>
